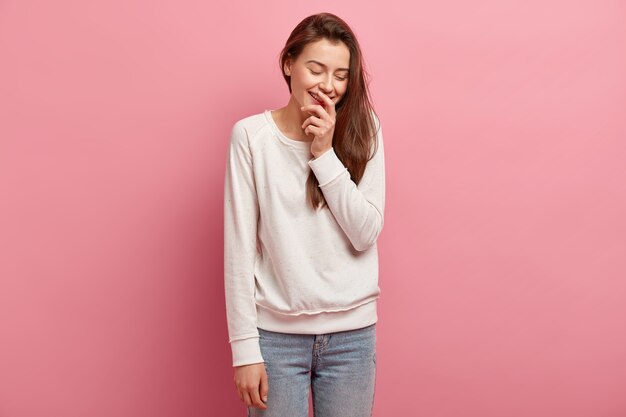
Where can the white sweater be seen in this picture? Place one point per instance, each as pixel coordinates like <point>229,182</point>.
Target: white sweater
<point>287,267</point>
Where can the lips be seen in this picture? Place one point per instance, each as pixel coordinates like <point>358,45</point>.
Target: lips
<point>316,97</point>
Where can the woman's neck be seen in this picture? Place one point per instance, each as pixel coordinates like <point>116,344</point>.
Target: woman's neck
<point>290,119</point>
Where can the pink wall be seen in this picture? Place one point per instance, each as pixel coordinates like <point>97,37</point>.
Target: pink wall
<point>503,256</point>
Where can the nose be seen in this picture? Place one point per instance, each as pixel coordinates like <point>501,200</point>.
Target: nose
<point>326,86</point>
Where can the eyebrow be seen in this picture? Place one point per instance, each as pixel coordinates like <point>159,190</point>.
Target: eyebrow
<point>322,65</point>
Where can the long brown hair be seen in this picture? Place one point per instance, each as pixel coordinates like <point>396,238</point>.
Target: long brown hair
<point>355,129</point>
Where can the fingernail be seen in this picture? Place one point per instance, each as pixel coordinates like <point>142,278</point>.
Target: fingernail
<point>265,398</point>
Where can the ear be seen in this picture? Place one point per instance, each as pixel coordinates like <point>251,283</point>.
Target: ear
<point>287,67</point>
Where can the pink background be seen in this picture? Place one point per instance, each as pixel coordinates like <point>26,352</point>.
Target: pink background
<point>503,258</point>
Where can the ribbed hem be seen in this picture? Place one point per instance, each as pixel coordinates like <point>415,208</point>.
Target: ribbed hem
<point>246,351</point>
<point>327,167</point>
<point>320,323</point>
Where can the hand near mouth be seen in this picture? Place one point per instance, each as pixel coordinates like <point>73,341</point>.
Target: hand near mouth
<point>321,124</point>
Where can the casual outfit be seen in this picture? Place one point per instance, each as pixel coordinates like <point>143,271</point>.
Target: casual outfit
<point>292,272</point>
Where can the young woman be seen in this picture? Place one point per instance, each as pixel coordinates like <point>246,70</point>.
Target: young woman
<point>303,206</point>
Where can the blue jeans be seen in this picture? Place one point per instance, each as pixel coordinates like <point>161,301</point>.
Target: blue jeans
<point>339,367</point>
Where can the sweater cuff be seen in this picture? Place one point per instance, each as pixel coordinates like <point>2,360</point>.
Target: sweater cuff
<point>246,351</point>
<point>327,167</point>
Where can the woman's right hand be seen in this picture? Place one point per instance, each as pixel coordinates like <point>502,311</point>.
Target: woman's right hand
<point>252,385</point>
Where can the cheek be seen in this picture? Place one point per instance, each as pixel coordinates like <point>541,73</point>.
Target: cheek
<point>302,78</point>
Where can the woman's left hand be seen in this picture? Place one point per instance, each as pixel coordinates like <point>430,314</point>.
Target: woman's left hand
<point>321,124</point>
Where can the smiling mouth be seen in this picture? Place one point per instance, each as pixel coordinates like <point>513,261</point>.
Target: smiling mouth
<point>318,98</point>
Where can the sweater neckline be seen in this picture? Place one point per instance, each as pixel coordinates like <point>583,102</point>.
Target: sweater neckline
<point>300,144</point>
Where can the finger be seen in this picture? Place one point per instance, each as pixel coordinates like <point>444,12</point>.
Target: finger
<point>264,387</point>
<point>240,396</point>
<point>315,121</point>
<point>315,109</point>
<point>330,105</point>
<point>246,398</point>
<point>256,399</point>
<point>313,130</point>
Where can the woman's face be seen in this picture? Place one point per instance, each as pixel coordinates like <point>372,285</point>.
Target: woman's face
<point>321,66</point>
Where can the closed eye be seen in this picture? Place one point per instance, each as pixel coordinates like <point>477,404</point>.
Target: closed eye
<point>339,78</point>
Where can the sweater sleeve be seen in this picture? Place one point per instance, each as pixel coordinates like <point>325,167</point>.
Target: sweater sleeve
<point>241,213</point>
<point>359,210</point>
